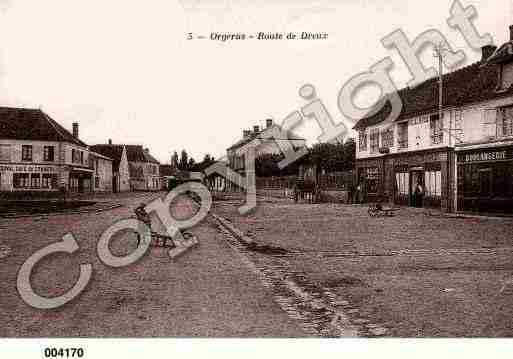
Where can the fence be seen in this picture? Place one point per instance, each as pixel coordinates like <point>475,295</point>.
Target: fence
<point>331,181</point>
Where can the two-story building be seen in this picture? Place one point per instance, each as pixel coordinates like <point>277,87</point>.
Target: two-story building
<point>39,155</point>
<point>266,146</point>
<point>135,169</point>
<point>462,160</point>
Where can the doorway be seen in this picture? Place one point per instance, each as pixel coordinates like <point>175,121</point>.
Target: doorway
<point>416,178</point>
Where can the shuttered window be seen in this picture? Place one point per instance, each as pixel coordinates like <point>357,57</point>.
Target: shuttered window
<point>5,153</point>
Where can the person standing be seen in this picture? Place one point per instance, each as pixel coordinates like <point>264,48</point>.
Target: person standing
<point>419,195</point>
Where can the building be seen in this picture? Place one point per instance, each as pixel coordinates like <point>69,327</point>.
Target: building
<point>102,172</point>
<point>134,167</point>
<point>462,160</point>
<point>268,145</point>
<point>38,155</point>
<point>120,168</point>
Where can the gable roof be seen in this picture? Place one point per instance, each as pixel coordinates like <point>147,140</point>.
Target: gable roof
<point>255,135</point>
<point>32,125</point>
<point>470,84</point>
<point>112,151</point>
<point>135,153</point>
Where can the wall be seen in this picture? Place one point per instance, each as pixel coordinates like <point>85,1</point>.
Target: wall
<point>104,173</point>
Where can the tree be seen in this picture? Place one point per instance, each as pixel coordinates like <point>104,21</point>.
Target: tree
<point>190,164</point>
<point>184,161</point>
<point>174,160</point>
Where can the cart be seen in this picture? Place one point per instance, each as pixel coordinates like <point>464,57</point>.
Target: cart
<point>377,210</point>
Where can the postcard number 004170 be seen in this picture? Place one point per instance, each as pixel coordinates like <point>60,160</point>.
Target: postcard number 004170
<point>64,352</point>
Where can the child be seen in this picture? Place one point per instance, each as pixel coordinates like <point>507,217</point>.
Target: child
<point>144,217</point>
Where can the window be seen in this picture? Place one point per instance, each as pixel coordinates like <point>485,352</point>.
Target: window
<point>505,121</point>
<point>433,183</point>
<point>49,181</point>
<point>402,182</point>
<point>458,126</point>
<point>5,153</point>
<point>48,153</point>
<point>402,135</point>
<point>96,182</point>
<point>435,124</point>
<point>21,180</point>
<point>362,140</point>
<point>35,180</point>
<point>387,137</point>
<point>77,156</point>
<point>372,176</point>
<point>374,141</point>
<point>26,153</point>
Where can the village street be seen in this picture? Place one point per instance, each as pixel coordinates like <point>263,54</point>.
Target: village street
<point>325,270</point>
<point>418,274</point>
<point>205,292</point>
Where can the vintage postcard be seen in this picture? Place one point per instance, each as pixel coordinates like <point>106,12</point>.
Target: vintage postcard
<point>248,170</point>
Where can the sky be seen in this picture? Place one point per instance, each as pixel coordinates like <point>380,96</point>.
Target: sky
<point>125,70</point>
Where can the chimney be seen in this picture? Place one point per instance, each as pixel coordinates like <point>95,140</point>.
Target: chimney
<point>511,32</point>
<point>256,129</point>
<point>110,141</point>
<point>75,129</point>
<point>246,133</point>
<point>487,51</point>
<point>268,122</point>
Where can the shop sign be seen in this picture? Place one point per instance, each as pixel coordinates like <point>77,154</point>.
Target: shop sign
<point>28,169</point>
<point>488,156</point>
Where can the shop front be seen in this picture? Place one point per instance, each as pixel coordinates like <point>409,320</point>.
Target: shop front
<point>80,180</point>
<point>28,178</point>
<point>422,179</point>
<point>485,180</point>
<point>416,179</point>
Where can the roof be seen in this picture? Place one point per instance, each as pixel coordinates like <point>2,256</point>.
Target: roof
<point>253,135</point>
<point>96,154</point>
<point>502,54</point>
<point>470,84</point>
<point>112,151</point>
<point>32,125</point>
<point>135,153</point>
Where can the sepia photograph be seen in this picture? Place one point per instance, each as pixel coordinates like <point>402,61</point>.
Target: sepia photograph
<point>228,178</point>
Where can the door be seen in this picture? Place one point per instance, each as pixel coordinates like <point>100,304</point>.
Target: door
<point>416,178</point>
<point>485,190</point>
<point>114,184</point>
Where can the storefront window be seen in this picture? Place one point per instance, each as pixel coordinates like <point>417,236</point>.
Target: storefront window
<point>402,182</point>
<point>21,180</point>
<point>433,183</point>
<point>35,180</point>
<point>49,181</point>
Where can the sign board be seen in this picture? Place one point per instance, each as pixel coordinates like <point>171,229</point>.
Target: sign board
<point>485,156</point>
<point>29,169</point>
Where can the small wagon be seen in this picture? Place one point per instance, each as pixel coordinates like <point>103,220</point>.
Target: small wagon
<point>377,210</point>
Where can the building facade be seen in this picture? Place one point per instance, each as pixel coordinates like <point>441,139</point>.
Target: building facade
<point>462,159</point>
<point>266,145</point>
<point>39,155</point>
<point>133,166</point>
